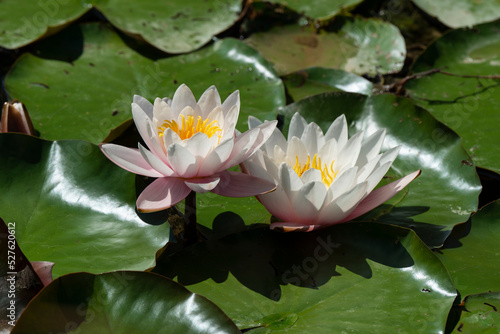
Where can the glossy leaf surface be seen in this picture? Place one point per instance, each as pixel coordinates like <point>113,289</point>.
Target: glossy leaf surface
<point>467,97</point>
<point>74,207</point>
<point>91,96</point>
<point>121,302</point>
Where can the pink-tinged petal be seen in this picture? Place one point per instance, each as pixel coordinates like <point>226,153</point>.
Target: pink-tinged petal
<point>234,184</point>
<point>182,98</point>
<point>371,147</point>
<point>232,100</point>
<point>294,227</point>
<point>297,126</point>
<point>209,100</point>
<point>142,122</point>
<point>338,130</point>
<point>43,269</point>
<point>155,162</point>
<point>163,193</point>
<point>380,195</point>
<point>337,210</point>
<point>216,158</point>
<point>129,159</point>
<point>203,185</point>
<point>182,161</point>
<point>144,104</point>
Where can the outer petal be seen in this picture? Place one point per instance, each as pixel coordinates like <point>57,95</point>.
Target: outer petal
<point>232,100</point>
<point>155,162</point>
<point>142,121</point>
<point>129,159</point>
<point>380,195</point>
<point>234,184</point>
<point>337,210</point>
<point>144,104</point>
<point>202,185</point>
<point>294,227</point>
<point>371,147</point>
<point>162,194</point>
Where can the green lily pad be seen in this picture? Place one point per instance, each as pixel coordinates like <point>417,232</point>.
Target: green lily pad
<point>361,47</point>
<point>26,21</point>
<point>471,255</point>
<point>121,302</point>
<point>317,9</point>
<point>467,100</point>
<point>91,96</point>
<point>480,314</point>
<point>316,80</point>
<point>461,13</point>
<point>20,283</point>
<point>356,277</point>
<point>173,27</point>
<point>74,207</point>
<point>446,192</point>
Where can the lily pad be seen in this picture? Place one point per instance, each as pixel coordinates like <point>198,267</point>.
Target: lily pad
<point>471,254</point>
<point>317,9</point>
<point>465,94</point>
<point>446,192</point>
<point>365,276</point>
<point>361,47</point>
<point>173,27</point>
<point>316,80</point>
<point>461,13</point>
<point>480,314</point>
<point>121,302</point>
<point>74,207</point>
<point>89,97</point>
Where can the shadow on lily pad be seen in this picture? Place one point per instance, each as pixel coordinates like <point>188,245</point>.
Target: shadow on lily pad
<point>263,260</point>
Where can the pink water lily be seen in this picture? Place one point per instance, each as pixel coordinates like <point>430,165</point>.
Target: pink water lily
<point>191,145</point>
<point>323,179</point>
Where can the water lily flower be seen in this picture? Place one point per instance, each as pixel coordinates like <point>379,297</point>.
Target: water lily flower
<point>191,146</point>
<point>322,179</point>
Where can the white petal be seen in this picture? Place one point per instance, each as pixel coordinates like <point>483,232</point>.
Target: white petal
<point>142,121</point>
<point>156,162</point>
<point>232,100</point>
<point>313,138</point>
<point>199,145</point>
<point>129,159</point>
<point>289,180</point>
<point>390,155</point>
<point>256,169</point>
<point>328,152</point>
<point>162,112</point>
<point>182,161</point>
<point>144,104</point>
<point>170,137</point>
<point>365,171</point>
<point>314,193</point>
<point>349,153</point>
<point>338,130</point>
<point>371,147</point>
<point>377,175</point>
<point>209,100</point>
<point>217,158</point>
<point>202,185</point>
<point>343,183</point>
<point>337,210</point>
<point>156,145</point>
<point>276,139</point>
<point>229,124</point>
<point>186,112</point>
<point>253,122</point>
<point>296,149</point>
<point>233,184</point>
<point>297,126</point>
<point>311,175</point>
<point>183,97</point>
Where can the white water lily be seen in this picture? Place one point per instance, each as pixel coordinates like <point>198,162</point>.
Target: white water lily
<point>191,146</point>
<point>322,179</point>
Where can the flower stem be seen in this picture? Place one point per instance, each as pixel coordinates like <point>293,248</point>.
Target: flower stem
<point>190,232</point>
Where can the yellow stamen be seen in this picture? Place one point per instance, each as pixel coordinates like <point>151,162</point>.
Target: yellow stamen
<point>327,173</point>
<point>188,127</point>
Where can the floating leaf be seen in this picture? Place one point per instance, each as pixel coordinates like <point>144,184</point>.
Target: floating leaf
<point>360,277</point>
<point>89,97</point>
<point>446,192</point>
<point>466,94</point>
<point>481,314</point>
<point>316,80</point>
<point>461,13</point>
<point>74,207</point>
<point>317,9</point>
<point>121,302</point>
<point>361,47</point>
<point>471,252</point>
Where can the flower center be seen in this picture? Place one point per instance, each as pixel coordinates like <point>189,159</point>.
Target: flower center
<point>188,127</point>
<point>327,173</point>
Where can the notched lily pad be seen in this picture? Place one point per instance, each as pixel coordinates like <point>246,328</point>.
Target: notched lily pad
<point>317,9</point>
